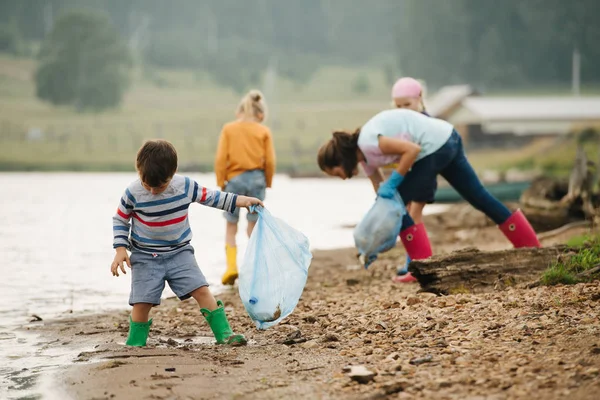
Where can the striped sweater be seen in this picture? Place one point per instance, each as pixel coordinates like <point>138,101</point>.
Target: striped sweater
<point>158,223</point>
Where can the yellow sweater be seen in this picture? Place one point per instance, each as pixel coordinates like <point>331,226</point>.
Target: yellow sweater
<point>243,146</point>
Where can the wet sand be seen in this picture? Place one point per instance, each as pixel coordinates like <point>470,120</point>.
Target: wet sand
<point>512,344</point>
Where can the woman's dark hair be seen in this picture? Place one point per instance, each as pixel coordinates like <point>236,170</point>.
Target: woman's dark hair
<point>340,151</point>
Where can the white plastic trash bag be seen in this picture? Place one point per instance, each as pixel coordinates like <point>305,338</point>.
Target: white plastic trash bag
<point>378,231</point>
<point>274,270</point>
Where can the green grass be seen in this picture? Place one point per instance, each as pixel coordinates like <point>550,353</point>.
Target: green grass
<point>567,272</point>
<point>580,241</point>
<point>558,274</point>
<point>559,160</point>
<point>507,159</point>
<point>541,155</point>
<point>585,90</point>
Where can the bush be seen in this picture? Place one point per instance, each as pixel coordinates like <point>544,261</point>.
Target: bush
<point>361,84</point>
<point>83,63</point>
<point>10,41</point>
<point>588,135</point>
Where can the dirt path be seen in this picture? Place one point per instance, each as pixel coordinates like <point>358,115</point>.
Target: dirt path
<point>514,344</point>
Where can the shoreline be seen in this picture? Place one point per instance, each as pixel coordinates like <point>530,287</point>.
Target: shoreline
<point>517,343</point>
<point>519,175</point>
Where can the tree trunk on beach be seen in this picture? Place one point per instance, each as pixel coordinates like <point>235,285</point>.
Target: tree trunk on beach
<point>474,271</point>
<point>541,204</point>
<point>551,202</point>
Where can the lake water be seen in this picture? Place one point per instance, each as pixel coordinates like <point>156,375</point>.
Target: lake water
<point>56,245</point>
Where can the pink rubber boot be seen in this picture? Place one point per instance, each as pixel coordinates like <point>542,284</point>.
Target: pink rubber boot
<point>518,230</point>
<point>416,243</point>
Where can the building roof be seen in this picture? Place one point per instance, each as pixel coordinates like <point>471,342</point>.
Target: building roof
<point>533,108</point>
<point>446,98</point>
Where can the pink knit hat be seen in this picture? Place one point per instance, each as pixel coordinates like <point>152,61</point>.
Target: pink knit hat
<point>406,87</point>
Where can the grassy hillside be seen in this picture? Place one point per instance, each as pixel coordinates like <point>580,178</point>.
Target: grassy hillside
<point>186,108</point>
<point>181,106</point>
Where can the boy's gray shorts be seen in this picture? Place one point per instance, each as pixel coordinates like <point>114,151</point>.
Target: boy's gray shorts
<point>150,271</point>
<point>250,183</point>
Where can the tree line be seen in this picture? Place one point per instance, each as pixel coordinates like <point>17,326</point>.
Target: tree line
<point>486,43</point>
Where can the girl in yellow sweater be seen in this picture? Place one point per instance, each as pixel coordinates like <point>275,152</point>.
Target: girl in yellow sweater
<point>245,165</point>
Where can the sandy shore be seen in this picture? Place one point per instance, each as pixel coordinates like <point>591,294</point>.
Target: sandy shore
<point>513,344</point>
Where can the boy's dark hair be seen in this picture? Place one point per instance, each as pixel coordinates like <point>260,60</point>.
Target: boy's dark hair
<point>156,162</point>
<point>340,151</point>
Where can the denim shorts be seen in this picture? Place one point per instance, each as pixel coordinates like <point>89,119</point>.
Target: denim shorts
<point>420,183</point>
<point>250,183</point>
<point>150,271</point>
<point>452,164</point>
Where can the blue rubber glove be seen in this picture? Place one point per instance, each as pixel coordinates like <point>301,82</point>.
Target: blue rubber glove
<point>388,189</point>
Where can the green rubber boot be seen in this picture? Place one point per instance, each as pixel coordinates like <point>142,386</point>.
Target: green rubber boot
<point>138,333</point>
<point>220,326</point>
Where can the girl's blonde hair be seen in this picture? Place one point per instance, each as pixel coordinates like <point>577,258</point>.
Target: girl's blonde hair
<point>252,105</point>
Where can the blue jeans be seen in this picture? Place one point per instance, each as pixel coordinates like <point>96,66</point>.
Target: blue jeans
<point>451,162</point>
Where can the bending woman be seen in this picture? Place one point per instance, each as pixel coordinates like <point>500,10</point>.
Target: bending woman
<point>423,148</point>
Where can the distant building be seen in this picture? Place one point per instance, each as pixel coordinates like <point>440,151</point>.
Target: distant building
<point>448,99</point>
<point>512,121</point>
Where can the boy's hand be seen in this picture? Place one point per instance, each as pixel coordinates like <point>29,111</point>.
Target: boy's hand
<point>120,257</point>
<point>244,201</point>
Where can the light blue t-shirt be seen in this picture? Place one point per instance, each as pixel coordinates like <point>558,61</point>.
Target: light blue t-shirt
<point>429,133</point>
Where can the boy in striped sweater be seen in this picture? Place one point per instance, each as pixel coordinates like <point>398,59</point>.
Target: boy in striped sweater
<point>152,222</point>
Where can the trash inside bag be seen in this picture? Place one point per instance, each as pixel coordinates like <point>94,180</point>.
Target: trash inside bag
<point>274,270</point>
<point>378,231</point>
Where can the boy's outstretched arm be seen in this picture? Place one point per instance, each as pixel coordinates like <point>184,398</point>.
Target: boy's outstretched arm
<point>212,198</point>
<point>222,200</point>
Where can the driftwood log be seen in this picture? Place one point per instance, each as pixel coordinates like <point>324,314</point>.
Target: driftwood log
<point>550,203</point>
<point>474,271</point>
<point>542,206</point>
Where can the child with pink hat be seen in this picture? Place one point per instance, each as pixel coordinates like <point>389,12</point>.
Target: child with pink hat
<point>408,93</point>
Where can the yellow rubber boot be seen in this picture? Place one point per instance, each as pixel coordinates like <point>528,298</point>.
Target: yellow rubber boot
<point>231,273</point>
